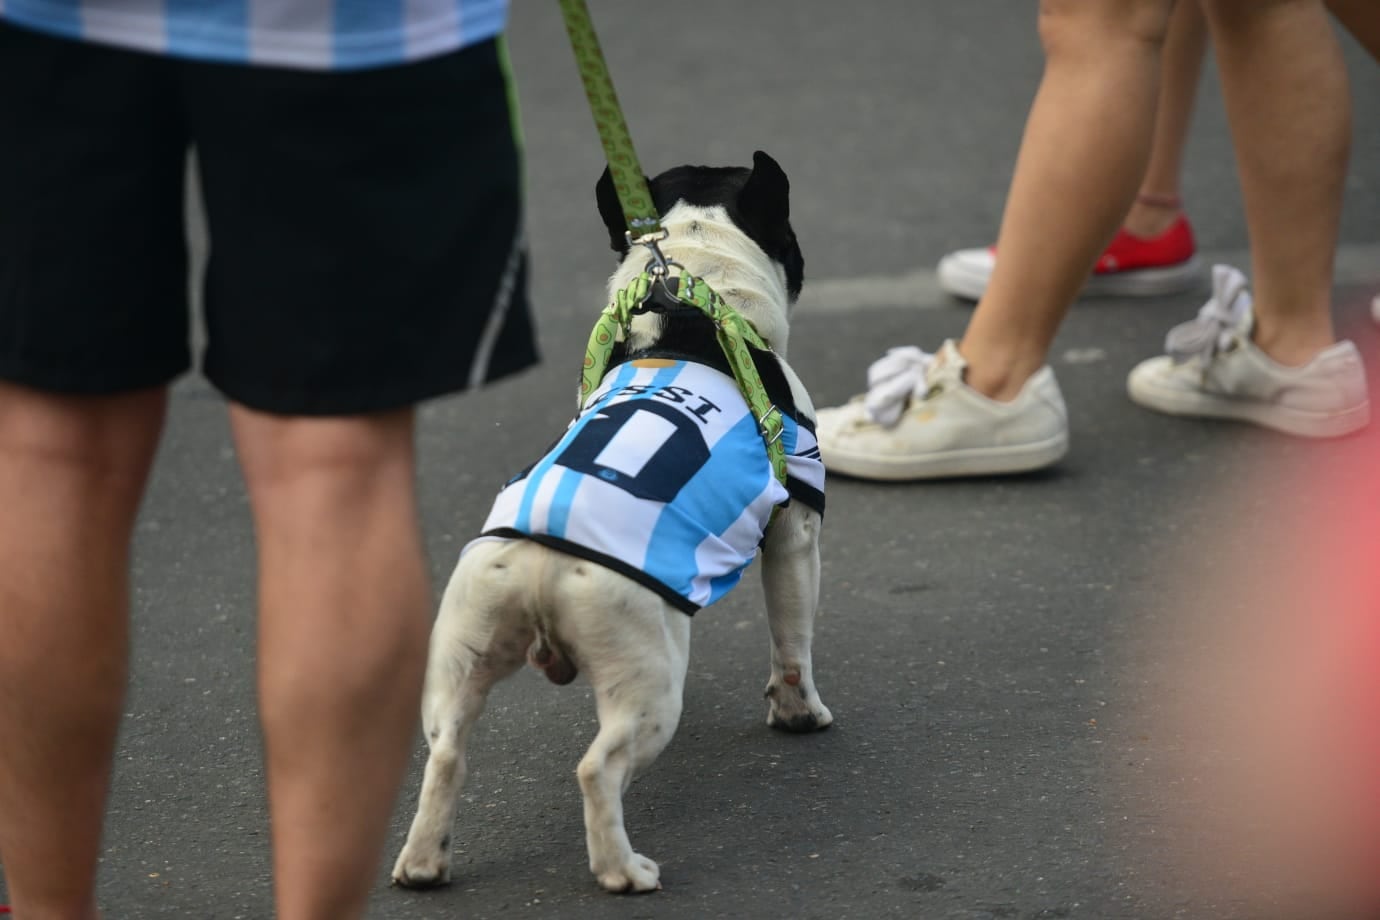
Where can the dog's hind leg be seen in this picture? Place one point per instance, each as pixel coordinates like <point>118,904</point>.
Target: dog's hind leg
<point>635,656</point>
<point>790,579</point>
<point>473,646</point>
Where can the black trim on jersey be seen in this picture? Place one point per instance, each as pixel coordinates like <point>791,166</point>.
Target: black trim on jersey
<point>668,594</point>
<point>806,494</point>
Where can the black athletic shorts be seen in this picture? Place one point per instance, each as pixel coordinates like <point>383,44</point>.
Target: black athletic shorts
<point>366,234</point>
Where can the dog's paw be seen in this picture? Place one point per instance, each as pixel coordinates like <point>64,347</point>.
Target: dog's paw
<point>795,706</point>
<point>422,870</point>
<point>637,874</point>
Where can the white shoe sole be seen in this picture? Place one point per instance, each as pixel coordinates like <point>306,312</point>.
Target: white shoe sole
<point>1146,391</point>
<point>1148,282</point>
<point>977,461</point>
<point>970,282</point>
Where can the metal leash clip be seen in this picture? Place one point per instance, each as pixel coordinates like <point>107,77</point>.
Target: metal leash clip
<point>659,267</point>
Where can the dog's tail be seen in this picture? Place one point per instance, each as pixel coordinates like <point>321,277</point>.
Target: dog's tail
<point>549,658</point>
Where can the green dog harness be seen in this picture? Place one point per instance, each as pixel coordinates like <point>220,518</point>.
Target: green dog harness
<point>734,333</point>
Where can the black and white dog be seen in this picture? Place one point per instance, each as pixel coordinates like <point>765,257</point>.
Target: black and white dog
<point>649,507</point>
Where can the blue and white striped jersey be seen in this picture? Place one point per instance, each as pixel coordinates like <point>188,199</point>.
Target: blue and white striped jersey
<point>306,34</point>
<point>664,478</point>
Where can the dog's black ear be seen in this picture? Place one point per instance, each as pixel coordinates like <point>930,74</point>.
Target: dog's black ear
<point>765,206</point>
<point>612,211</point>
<point>765,198</point>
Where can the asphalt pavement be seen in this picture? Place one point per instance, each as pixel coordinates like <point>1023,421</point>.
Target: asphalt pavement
<point>978,639</point>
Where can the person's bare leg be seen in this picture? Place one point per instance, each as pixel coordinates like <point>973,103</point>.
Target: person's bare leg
<point>1288,103</point>
<point>1084,153</point>
<point>344,614</point>
<point>1158,204</point>
<point>72,472</point>
<point>1362,19</point>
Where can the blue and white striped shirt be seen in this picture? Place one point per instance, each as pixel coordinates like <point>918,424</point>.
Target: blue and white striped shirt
<point>663,478</point>
<point>304,34</point>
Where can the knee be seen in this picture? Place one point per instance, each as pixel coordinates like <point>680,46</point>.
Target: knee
<point>445,764</point>
<point>96,449</point>
<point>1102,26</point>
<point>333,455</point>
<point>590,770</point>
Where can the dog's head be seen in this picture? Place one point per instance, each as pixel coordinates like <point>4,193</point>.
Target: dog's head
<point>756,200</point>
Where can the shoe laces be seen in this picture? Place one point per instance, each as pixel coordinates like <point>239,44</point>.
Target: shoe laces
<point>1217,322</point>
<point>892,381</point>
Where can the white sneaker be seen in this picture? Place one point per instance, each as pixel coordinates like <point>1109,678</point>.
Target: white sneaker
<point>1214,370</point>
<point>920,420</point>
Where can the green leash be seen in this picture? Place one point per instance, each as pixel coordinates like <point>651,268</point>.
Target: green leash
<point>628,179</point>
<point>735,334</point>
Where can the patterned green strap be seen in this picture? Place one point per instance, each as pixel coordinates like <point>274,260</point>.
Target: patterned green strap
<point>612,321</point>
<point>735,335</point>
<point>628,178</point>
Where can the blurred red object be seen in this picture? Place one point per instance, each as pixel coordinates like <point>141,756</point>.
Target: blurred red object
<point>1267,677</point>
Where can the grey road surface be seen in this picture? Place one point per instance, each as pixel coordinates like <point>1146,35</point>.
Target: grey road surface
<point>977,638</point>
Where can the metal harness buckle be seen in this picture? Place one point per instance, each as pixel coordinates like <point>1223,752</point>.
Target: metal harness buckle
<point>762,425</point>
